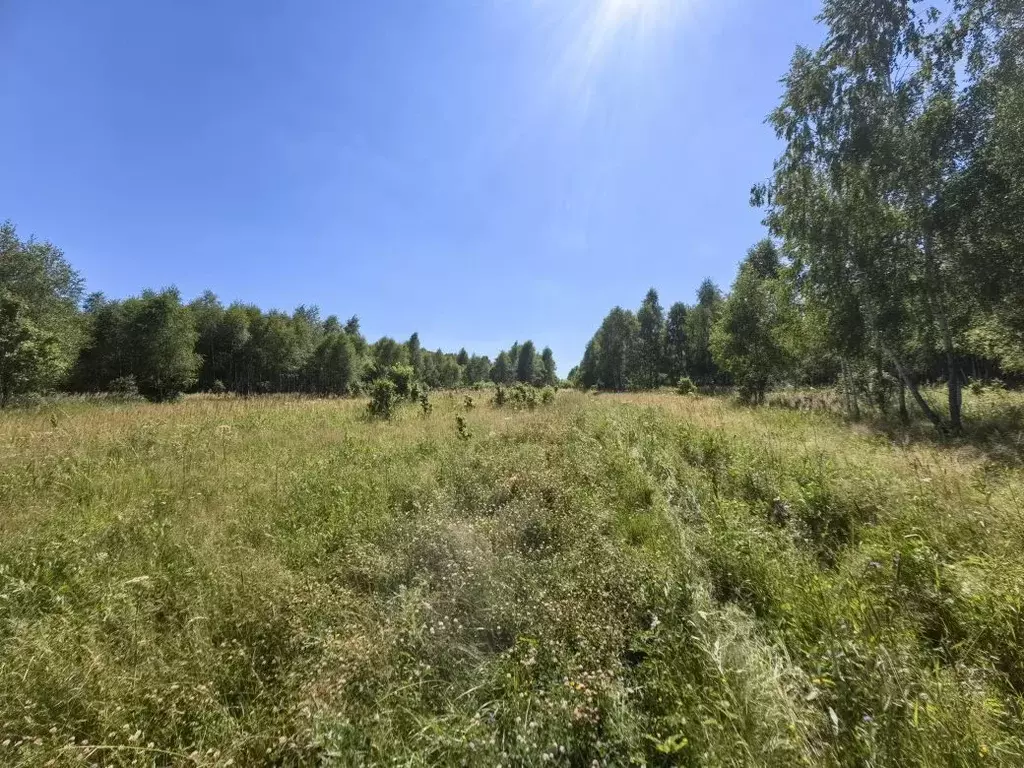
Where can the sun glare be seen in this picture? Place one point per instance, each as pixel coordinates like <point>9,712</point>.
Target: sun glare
<point>612,22</point>
<point>615,13</point>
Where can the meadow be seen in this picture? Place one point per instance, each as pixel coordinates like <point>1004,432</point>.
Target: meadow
<point>605,580</point>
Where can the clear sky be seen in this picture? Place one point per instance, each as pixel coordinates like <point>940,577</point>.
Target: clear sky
<point>479,171</point>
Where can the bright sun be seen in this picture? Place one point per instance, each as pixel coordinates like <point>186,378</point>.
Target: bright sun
<point>616,12</point>
<point>612,20</point>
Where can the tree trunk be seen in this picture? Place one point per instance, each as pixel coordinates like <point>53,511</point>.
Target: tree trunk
<point>881,396</point>
<point>952,375</point>
<point>926,409</point>
<point>953,385</point>
<point>846,387</point>
<point>904,415</point>
<point>852,404</point>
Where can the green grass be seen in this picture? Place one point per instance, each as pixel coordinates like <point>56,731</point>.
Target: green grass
<point>613,580</point>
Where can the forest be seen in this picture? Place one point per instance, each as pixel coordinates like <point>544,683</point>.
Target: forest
<point>156,345</point>
<point>896,214</point>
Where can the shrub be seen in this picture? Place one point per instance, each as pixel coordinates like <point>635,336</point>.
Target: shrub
<point>218,388</point>
<point>403,377</point>
<point>751,389</point>
<point>523,396</point>
<point>547,396</point>
<point>469,403</point>
<point>383,397</point>
<point>425,403</point>
<point>461,428</point>
<point>686,386</point>
<point>500,397</point>
<point>124,388</point>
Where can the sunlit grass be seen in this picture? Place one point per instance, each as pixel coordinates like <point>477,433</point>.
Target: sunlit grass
<point>641,578</point>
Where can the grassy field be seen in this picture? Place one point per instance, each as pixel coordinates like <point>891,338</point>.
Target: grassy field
<point>607,580</point>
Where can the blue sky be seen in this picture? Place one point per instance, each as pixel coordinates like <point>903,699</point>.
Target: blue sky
<point>479,171</point>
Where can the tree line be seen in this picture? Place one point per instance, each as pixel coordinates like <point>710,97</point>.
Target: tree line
<point>896,210</point>
<point>52,336</point>
<point>647,348</point>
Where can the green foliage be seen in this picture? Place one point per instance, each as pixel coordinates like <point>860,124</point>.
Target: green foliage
<point>699,324</point>
<point>893,188</point>
<point>764,260</point>
<point>548,367</point>
<point>502,372</point>
<point>675,342</point>
<point>526,367</point>
<point>685,386</point>
<point>522,396</point>
<point>163,337</point>
<point>607,362</point>
<point>749,339</point>
<point>403,376</point>
<point>589,374</point>
<point>520,363</point>
<point>500,396</point>
<point>387,353</point>
<point>124,388</point>
<point>415,352</point>
<point>218,388</point>
<point>461,429</point>
<point>383,399</point>
<point>425,405</point>
<point>645,350</point>
<point>999,336</point>
<point>447,371</point>
<point>29,357</point>
<point>477,370</point>
<point>647,358</point>
<point>547,396</point>
<point>151,337</point>
<point>37,275</point>
<point>333,368</point>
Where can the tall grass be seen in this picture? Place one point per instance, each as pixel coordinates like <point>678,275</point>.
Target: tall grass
<point>637,579</point>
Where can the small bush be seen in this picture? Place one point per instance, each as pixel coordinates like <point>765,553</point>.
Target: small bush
<point>461,429</point>
<point>124,388</point>
<point>468,403</point>
<point>218,388</point>
<point>500,397</point>
<point>523,396</point>
<point>403,377</point>
<point>383,399</point>
<point>547,396</point>
<point>425,403</point>
<point>685,386</point>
